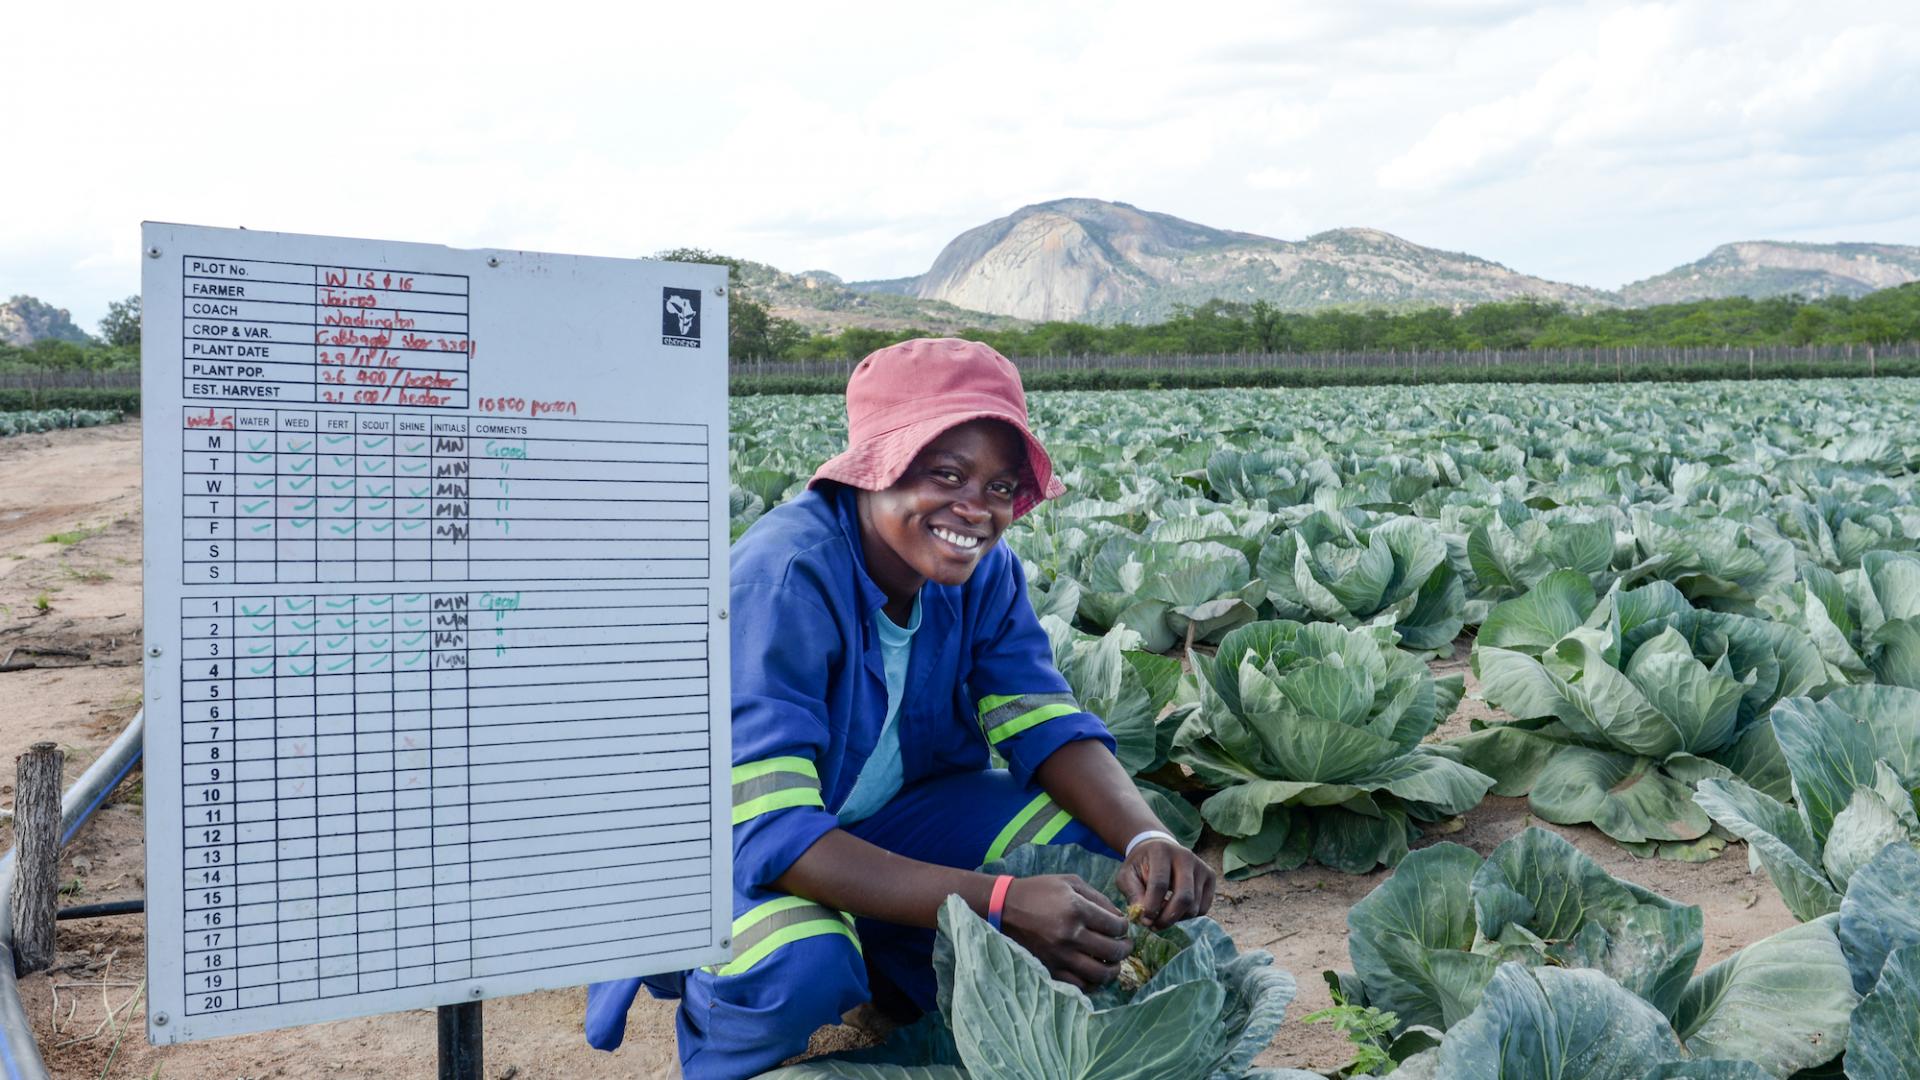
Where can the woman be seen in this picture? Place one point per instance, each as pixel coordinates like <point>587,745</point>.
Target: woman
<point>883,650</point>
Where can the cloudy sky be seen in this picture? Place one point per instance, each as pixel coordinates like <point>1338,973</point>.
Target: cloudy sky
<point>1595,142</point>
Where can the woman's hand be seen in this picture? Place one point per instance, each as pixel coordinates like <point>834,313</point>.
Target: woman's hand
<point>1069,926</point>
<point>1167,881</point>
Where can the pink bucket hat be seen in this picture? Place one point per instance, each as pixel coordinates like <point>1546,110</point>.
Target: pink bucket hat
<point>905,396</point>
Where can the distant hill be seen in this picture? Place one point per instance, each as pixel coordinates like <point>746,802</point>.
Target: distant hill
<point>1760,268</point>
<point>25,320</point>
<point>820,301</point>
<point>1088,259</point>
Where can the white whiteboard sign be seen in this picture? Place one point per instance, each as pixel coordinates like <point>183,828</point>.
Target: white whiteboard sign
<point>436,688</point>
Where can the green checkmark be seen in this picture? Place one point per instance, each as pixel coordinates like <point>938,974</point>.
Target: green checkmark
<point>300,466</point>
<point>380,489</point>
<point>341,664</point>
<point>404,467</point>
<point>308,625</point>
<point>341,485</point>
<point>342,461</point>
<point>343,508</point>
<point>259,459</point>
<point>254,508</point>
<point>256,650</point>
<point>419,493</point>
<point>308,670</point>
<point>412,526</point>
<point>308,505</point>
<point>412,660</point>
<point>336,605</point>
<point>375,444</point>
<point>412,622</point>
<point>301,483</point>
<point>261,610</point>
<point>376,624</point>
<point>299,447</point>
<point>373,465</point>
<point>262,485</point>
<point>264,668</point>
<point>381,602</point>
<point>300,648</point>
<point>381,644</point>
<point>376,507</point>
<point>256,444</point>
<point>300,523</point>
<point>379,661</point>
<point>334,643</point>
<point>414,448</point>
<point>347,623</point>
<point>415,598</point>
<point>342,530</point>
<point>336,440</point>
<point>292,606</point>
<point>414,640</point>
<point>263,527</point>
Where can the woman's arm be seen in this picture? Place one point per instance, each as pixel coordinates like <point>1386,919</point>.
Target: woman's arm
<point>1169,882</point>
<point>1059,918</point>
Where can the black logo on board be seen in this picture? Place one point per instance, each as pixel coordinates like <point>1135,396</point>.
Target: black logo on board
<point>680,317</point>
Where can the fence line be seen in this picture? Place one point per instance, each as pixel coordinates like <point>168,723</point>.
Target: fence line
<point>70,380</point>
<point>1597,358</point>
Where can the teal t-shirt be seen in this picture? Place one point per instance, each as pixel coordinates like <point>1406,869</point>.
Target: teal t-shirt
<point>881,776</point>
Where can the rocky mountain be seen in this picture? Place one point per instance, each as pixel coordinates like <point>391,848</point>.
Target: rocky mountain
<point>1088,259</point>
<point>1771,268</point>
<point>25,320</point>
<point>820,301</point>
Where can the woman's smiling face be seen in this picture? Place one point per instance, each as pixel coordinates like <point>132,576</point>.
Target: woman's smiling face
<point>944,512</point>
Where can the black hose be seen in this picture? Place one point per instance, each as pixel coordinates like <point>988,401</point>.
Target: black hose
<point>109,907</point>
<point>19,1055</point>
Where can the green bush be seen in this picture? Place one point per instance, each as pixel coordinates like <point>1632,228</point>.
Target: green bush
<point>25,399</point>
<point>1210,378</point>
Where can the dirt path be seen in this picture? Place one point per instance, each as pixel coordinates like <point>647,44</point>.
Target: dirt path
<point>70,536</point>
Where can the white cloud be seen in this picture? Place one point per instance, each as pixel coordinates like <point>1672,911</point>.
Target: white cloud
<point>1591,141</point>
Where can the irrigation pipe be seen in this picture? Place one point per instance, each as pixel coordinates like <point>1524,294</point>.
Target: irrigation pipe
<point>19,1054</point>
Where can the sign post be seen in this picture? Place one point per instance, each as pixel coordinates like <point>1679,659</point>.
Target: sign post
<point>436,687</point>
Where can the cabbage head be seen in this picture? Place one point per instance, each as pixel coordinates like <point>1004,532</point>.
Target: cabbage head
<point>1394,572</point>
<point>1426,943</point>
<point>1578,1024</point>
<point>1715,562</point>
<point>1865,622</point>
<point>1205,1012</point>
<point>1880,934</point>
<point>1854,759</point>
<point>1623,704</point>
<point>1314,732</point>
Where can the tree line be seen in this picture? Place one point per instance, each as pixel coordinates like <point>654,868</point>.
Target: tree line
<point>1219,326</point>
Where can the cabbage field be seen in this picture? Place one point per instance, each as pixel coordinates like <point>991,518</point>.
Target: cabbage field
<point>1696,608</point>
<point>23,423</point>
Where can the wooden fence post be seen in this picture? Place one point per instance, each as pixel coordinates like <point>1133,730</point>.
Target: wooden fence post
<point>36,855</point>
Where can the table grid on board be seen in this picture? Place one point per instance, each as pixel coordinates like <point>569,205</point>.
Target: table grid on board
<point>356,807</point>
<point>284,331</point>
<point>283,496</point>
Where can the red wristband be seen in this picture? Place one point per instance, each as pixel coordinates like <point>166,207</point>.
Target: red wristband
<point>999,899</point>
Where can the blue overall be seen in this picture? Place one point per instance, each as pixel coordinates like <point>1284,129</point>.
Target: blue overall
<point>809,701</point>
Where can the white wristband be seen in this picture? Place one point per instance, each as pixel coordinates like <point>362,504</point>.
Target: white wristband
<point>1150,834</point>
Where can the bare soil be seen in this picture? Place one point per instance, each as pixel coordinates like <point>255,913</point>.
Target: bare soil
<point>70,607</point>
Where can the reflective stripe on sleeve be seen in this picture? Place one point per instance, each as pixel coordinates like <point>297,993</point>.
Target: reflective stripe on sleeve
<point>761,787</point>
<point>1032,825</point>
<point>779,922</point>
<point>1003,716</point>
